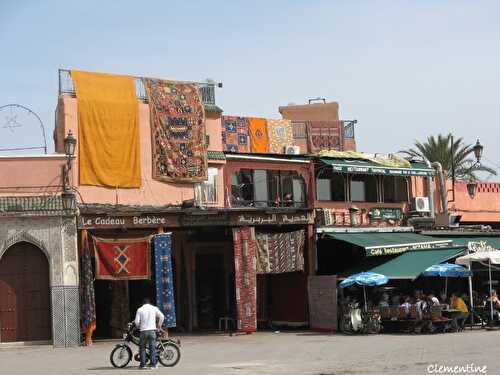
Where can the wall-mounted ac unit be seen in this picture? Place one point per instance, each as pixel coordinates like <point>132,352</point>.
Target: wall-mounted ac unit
<point>292,150</point>
<point>420,204</point>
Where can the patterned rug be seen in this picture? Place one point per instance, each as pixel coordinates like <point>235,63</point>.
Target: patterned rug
<point>324,135</point>
<point>126,259</point>
<point>165,299</point>
<point>178,131</point>
<point>245,278</point>
<point>280,252</point>
<point>235,134</point>
<point>87,293</point>
<point>280,134</point>
<point>257,130</point>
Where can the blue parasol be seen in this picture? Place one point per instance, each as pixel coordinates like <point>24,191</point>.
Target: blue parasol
<point>447,270</point>
<point>365,279</point>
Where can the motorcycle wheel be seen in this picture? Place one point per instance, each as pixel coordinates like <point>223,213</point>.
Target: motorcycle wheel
<point>346,326</point>
<point>120,356</point>
<point>168,354</point>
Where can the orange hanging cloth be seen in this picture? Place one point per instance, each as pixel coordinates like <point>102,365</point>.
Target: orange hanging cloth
<point>108,130</point>
<point>257,129</point>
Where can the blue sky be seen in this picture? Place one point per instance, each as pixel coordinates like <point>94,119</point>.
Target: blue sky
<point>403,69</point>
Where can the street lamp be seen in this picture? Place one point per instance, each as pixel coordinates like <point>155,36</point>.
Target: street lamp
<point>471,188</point>
<point>471,185</point>
<point>69,150</point>
<point>68,200</point>
<point>478,151</point>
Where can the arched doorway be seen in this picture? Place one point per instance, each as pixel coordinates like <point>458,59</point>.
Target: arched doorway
<point>24,294</point>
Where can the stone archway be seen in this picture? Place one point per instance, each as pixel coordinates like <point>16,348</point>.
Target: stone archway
<point>24,294</point>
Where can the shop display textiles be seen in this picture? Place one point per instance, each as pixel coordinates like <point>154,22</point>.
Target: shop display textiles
<point>280,135</point>
<point>235,134</point>
<point>108,130</point>
<point>245,278</point>
<point>126,259</point>
<point>324,135</point>
<point>87,293</point>
<point>178,131</point>
<point>165,299</point>
<point>300,136</point>
<point>257,130</point>
<point>280,252</point>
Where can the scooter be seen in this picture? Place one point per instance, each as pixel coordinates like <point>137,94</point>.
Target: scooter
<point>355,320</point>
<point>168,351</point>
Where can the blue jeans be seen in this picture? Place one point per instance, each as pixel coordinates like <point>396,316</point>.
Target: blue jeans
<point>147,338</point>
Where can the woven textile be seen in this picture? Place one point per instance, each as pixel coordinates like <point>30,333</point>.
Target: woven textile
<point>324,135</point>
<point>280,134</point>
<point>280,252</point>
<point>300,136</point>
<point>178,131</point>
<point>126,259</point>
<point>257,129</point>
<point>87,293</point>
<point>108,130</point>
<point>245,278</point>
<point>235,134</point>
<point>165,299</point>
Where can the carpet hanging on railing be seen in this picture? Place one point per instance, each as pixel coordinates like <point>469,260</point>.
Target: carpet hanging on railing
<point>280,133</point>
<point>324,135</point>
<point>178,131</point>
<point>87,293</point>
<point>165,299</point>
<point>126,259</point>
<point>235,134</point>
<point>245,278</point>
<point>280,252</point>
<point>257,130</point>
<point>108,130</point>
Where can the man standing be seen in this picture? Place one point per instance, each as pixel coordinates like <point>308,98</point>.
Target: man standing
<point>148,319</point>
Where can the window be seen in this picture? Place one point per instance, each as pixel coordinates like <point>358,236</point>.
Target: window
<point>331,187</point>
<point>323,189</point>
<point>363,188</point>
<point>395,189</point>
<point>338,187</point>
<point>267,188</point>
<point>205,193</point>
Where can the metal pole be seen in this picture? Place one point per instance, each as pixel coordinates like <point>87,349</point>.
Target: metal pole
<point>491,301</point>
<point>471,302</point>
<point>446,286</point>
<point>453,168</point>
<point>364,294</point>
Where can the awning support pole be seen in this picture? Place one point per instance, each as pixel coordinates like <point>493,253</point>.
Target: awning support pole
<point>491,302</point>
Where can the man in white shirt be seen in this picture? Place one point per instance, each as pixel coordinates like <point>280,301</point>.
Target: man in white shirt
<point>148,319</point>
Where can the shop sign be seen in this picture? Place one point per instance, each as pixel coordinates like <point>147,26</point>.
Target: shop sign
<point>385,214</point>
<point>267,219</point>
<point>139,221</point>
<point>478,246</point>
<point>398,249</point>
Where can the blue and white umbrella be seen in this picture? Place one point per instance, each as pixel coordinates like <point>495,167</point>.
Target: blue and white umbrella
<point>447,270</point>
<point>365,279</point>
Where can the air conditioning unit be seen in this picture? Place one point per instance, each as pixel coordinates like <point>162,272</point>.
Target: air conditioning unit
<point>420,204</point>
<point>292,150</point>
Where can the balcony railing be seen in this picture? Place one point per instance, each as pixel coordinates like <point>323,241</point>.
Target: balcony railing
<point>207,90</point>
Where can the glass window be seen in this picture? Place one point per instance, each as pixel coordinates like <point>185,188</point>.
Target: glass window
<point>242,188</point>
<point>338,187</point>
<point>260,188</point>
<point>299,192</point>
<point>323,189</point>
<point>363,188</point>
<point>206,192</point>
<point>395,189</point>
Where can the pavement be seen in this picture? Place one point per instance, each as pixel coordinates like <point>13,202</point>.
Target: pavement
<point>301,353</point>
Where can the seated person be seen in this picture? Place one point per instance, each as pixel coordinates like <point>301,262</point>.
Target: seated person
<point>432,300</point>
<point>495,301</point>
<point>458,303</point>
<point>406,305</point>
<point>384,300</point>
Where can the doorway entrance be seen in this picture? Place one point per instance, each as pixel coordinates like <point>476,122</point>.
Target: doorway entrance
<point>24,294</point>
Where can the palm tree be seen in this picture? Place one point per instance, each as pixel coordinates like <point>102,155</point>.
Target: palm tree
<point>439,149</point>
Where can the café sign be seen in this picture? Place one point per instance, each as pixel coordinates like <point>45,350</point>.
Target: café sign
<point>398,249</point>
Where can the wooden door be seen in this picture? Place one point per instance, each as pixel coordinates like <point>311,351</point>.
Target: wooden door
<point>24,294</point>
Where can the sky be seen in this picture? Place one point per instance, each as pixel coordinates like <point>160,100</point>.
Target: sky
<point>403,69</point>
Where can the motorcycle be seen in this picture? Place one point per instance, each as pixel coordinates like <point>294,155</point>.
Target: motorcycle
<point>355,320</point>
<point>168,350</point>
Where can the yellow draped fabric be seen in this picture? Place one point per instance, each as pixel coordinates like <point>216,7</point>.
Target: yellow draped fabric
<point>108,130</point>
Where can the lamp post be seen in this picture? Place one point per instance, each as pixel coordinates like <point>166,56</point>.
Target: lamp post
<point>68,197</point>
<point>471,184</point>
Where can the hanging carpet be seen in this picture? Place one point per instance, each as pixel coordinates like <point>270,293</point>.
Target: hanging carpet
<point>235,134</point>
<point>257,130</point>
<point>280,252</point>
<point>126,259</point>
<point>245,278</point>
<point>178,131</point>
<point>324,135</point>
<point>165,299</point>
<point>108,130</point>
<point>280,133</point>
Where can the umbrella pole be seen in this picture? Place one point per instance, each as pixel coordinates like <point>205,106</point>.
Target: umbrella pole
<point>491,302</point>
<point>364,294</point>
<point>471,298</point>
<point>446,286</point>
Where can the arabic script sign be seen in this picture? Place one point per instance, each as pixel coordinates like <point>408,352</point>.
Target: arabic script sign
<point>477,246</point>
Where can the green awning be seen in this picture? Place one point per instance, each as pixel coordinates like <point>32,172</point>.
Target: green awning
<point>378,243</point>
<point>412,263</point>
<point>367,167</point>
<point>475,240</point>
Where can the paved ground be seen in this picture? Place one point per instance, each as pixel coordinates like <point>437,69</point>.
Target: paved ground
<point>304,353</point>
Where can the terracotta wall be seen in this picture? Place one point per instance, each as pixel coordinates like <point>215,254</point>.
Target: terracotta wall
<point>31,175</point>
<point>483,208</point>
<point>151,192</point>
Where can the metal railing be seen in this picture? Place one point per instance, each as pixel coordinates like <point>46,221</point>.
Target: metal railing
<point>207,89</point>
